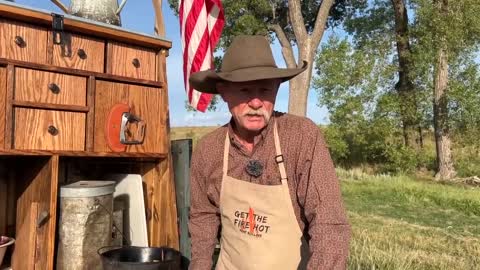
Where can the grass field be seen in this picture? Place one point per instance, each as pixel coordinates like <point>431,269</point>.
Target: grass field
<point>194,133</point>
<point>403,223</point>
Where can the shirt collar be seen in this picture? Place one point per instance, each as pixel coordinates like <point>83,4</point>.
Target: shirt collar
<point>260,138</point>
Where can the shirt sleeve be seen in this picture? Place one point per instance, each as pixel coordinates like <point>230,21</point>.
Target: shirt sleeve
<point>204,219</point>
<point>320,197</point>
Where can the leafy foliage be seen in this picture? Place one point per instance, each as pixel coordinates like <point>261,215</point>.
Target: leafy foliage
<point>356,74</point>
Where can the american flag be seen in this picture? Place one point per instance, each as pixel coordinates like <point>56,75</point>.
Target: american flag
<point>201,24</point>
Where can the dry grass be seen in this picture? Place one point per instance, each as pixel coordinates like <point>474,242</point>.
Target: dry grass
<point>194,133</point>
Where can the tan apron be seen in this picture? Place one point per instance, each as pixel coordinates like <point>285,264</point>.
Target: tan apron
<point>259,227</point>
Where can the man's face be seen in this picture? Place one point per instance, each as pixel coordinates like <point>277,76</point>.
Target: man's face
<point>250,103</point>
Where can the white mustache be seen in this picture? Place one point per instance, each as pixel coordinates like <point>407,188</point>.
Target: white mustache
<point>258,112</point>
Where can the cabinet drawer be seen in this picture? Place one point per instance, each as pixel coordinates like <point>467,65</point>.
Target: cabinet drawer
<point>131,61</point>
<point>49,130</point>
<point>23,42</point>
<point>49,87</point>
<point>79,52</point>
<point>147,103</point>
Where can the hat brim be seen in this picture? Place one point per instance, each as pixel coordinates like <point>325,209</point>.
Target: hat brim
<point>205,81</point>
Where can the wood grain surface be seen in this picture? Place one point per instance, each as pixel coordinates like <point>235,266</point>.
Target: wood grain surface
<point>33,85</point>
<point>67,54</point>
<point>26,235</point>
<point>3,103</point>
<point>36,188</point>
<point>77,72</point>
<point>120,61</point>
<point>115,33</point>
<point>35,42</point>
<point>31,130</point>
<point>145,102</point>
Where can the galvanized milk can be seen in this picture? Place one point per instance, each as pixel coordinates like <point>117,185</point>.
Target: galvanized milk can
<point>85,224</point>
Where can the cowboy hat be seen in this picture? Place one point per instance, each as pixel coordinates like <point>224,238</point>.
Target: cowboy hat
<point>248,58</point>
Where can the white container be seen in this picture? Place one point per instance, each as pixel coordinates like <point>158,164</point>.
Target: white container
<point>3,248</point>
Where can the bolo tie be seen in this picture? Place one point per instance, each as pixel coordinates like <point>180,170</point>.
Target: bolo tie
<point>254,168</point>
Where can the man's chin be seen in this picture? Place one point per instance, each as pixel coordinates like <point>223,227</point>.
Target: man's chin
<point>254,127</point>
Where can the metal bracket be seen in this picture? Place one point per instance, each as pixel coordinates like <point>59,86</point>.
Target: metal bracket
<point>57,26</point>
<point>42,218</point>
<point>140,134</point>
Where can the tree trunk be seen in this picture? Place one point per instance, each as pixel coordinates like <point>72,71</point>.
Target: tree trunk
<point>307,47</point>
<point>300,85</point>
<point>406,89</point>
<point>445,169</point>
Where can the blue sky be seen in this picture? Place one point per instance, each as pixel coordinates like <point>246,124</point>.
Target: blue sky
<point>138,15</point>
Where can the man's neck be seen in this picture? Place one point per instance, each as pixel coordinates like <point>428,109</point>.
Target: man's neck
<point>246,138</point>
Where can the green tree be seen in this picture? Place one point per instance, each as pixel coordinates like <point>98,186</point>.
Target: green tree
<point>449,29</point>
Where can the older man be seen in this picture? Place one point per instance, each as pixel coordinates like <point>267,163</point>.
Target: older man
<point>265,180</point>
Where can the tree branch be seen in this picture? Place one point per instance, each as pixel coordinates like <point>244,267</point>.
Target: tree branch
<point>321,21</point>
<point>296,18</point>
<point>159,25</point>
<point>60,5</point>
<point>287,51</point>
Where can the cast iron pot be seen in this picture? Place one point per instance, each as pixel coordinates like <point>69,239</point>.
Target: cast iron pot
<point>139,258</point>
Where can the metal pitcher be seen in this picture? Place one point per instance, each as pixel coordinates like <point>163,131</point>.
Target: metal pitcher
<point>106,11</point>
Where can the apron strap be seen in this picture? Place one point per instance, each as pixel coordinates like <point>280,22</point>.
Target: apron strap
<point>279,156</point>
<point>225,155</point>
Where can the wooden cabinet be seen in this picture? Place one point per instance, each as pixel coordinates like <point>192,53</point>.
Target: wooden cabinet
<point>50,87</point>
<point>56,101</point>
<point>131,61</point>
<point>23,42</point>
<point>49,130</point>
<point>3,90</point>
<point>144,102</point>
<point>79,52</point>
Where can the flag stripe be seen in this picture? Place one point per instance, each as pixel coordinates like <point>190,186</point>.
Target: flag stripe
<point>201,24</point>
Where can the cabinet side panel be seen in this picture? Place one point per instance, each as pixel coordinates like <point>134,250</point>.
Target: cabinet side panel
<point>39,185</point>
<point>3,96</point>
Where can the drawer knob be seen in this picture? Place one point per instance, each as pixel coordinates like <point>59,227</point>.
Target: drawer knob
<point>54,88</point>
<point>52,130</point>
<point>136,62</point>
<point>82,54</point>
<point>20,42</point>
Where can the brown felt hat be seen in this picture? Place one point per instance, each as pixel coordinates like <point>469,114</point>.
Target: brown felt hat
<point>248,58</point>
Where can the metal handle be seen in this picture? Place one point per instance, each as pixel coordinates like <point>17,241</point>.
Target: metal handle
<point>52,130</point>
<point>20,41</point>
<point>124,131</point>
<point>82,54</point>
<point>117,12</point>
<point>54,88</point>
<point>136,62</point>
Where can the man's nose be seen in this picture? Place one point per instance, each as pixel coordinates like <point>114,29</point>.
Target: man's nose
<point>255,103</point>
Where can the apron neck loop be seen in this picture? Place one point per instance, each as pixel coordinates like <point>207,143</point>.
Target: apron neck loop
<point>278,158</point>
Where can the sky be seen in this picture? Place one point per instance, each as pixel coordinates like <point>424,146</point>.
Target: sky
<point>138,15</point>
